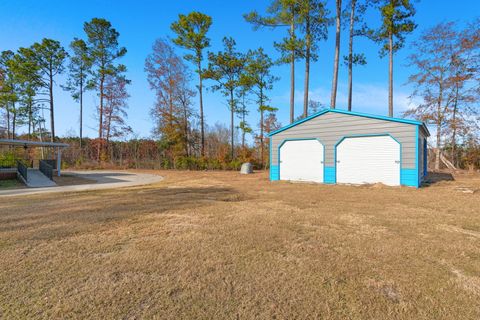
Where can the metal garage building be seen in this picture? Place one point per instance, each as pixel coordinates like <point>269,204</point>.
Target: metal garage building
<point>337,146</point>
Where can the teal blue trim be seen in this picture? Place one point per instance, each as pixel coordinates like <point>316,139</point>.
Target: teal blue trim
<point>299,139</point>
<point>417,155</point>
<point>366,135</point>
<point>270,152</point>
<point>274,170</point>
<point>372,116</point>
<point>329,175</point>
<point>274,173</point>
<point>409,177</point>
<point>298,122</point>
<point>359,114</point>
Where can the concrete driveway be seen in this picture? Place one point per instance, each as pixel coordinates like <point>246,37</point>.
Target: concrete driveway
<point>104,180</point>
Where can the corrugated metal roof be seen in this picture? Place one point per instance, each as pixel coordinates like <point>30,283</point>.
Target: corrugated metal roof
<point>28,143</point>
<point>358,114</point>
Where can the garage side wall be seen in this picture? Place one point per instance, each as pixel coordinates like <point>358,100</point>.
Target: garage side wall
<point>331,127</point>
<point>423,155</point>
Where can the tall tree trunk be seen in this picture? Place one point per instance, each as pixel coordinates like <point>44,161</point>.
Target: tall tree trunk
<point>100,111</point>
<point>437,151</point>
<point>261,129</point>
<point>108,118</point>
<point>439,127</point>
<point>243,120</point>
<point>100,124</point>
<point>200,91</point>
<point>232,128</point>
<point>14,121</point>
<point>454,127</point>
<point>292,69</point>
<point>52,114</point>
<point>30,120</point>
<point>107,133</point>
<point>8,120</point>
<point>333,99</point>
<point>81,113</point>
<point>390,74</point>
<point>40,130</point>
<point>243,131</point>
<point>185,128</point>
<point>350,55</point>
<point>170,105</point>
<point>307,62</point>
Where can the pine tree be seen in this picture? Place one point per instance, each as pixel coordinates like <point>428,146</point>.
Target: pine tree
<point>396,24</point>
<point>225,68</point>
<point>283,13</point>
<point>191,31</point>
<point>104,50</point>
<point>257,76</point>
<point>333,99</point>
<point>314,24</point>
<point>50,57</point>
<point>79,69</point>
<point>356,11</point>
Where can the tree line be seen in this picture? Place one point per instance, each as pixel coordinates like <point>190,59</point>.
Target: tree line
<point>241,77</point>
<point>29,74</point>
<point>445,60</point>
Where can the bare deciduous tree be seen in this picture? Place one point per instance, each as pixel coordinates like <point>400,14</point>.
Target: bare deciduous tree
<point>445,69</point>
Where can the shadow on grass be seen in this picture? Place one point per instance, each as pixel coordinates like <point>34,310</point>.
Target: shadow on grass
<point>45,218</point>
<point>436,177</point>
<point>10,184</point>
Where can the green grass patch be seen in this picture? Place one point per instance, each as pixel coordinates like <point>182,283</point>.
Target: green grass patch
<point>10,184</point>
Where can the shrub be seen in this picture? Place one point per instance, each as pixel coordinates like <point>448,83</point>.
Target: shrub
<point>166,164</point>
<point>8,160</point>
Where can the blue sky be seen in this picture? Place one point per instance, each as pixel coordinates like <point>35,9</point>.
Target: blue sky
<point>141,22</point>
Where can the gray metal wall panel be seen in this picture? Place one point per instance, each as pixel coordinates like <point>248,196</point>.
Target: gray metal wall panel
<point>329,128</point>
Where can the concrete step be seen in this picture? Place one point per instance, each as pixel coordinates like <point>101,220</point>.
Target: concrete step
<point>36,179</point>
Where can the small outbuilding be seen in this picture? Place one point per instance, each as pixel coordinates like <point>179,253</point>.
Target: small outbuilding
<point>338,146</point>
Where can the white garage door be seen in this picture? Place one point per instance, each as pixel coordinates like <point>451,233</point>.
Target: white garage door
<point>301,160</point>
<point>369,160</point>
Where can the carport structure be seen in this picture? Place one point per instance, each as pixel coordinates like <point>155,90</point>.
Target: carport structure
<point>25,167</point>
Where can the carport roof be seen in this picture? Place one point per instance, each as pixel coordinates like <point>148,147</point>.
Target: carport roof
<point>28,143</point>
<point>359,114</point>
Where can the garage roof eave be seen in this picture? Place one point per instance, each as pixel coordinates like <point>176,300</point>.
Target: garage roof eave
<point>359,114</point>
<point>424,126</point>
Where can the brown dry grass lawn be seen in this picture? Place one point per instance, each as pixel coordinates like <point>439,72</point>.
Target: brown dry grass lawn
<point>215,245</point>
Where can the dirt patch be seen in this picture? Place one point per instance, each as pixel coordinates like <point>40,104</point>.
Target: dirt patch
<point>450,228</point>
<point>469,283</point>
<point>464,189</point>
<point>385,289</point>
